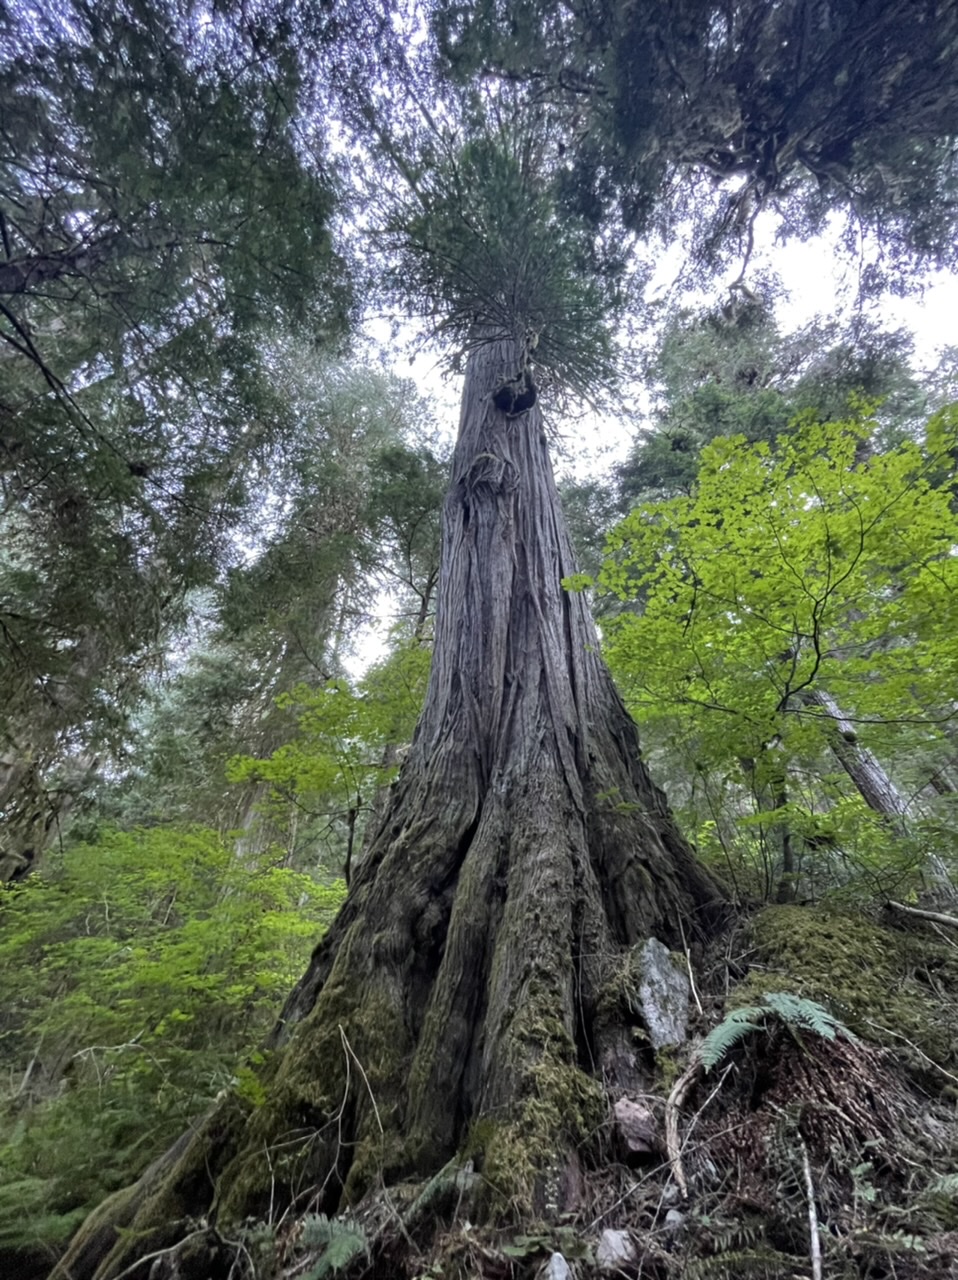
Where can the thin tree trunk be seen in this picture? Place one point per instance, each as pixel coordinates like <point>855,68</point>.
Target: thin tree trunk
<point>474,986</point>
<point>785,891</point>
<point>875,787</point>
<point>873,783</point>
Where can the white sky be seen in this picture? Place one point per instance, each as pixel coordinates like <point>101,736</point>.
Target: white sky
<point>821,279</point>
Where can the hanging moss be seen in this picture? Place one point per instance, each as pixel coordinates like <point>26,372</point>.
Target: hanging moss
<point>889,986</point>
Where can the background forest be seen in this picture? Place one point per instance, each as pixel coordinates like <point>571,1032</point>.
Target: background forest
<point>223,228</point>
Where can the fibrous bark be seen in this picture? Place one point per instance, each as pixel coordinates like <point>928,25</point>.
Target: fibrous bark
<point>473,992</point>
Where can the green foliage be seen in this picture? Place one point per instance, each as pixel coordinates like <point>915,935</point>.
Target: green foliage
<point>730,371</point>
<point>162,219</point>
<point>361,489</point>
<point>591,508</point>
<point>851,109</point>
<point>941,1198</point>
<point>809,570</point>
<point>343,750</point>
<point>562,1240</point>
<point>342,731</point>
<point>793,562</point>
<point>762,1262</point>
<point>342,1242</point>
<point>405,509</point>
<point>485,250</point>
<point>132,976</point>
<point>360,510</point>
<point>793,1012</point>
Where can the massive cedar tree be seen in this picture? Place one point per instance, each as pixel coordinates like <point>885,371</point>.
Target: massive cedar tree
<point>470,991</point>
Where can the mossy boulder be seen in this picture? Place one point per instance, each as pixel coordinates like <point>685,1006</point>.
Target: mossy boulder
<point>888,985</point>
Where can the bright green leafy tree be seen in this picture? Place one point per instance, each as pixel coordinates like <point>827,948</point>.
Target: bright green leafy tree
<point>323,785</point>
<point>802,597</point>
<point>730,370</point>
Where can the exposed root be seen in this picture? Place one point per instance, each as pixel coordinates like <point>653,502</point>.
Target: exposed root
<point>673,1106</point>
<point>811,1154</point>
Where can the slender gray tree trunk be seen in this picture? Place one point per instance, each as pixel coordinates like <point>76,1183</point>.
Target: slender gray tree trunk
<point>875,787</point>
<point>873,783</point>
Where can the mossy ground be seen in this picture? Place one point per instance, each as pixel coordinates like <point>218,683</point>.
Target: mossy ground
<point>871,1116</point>
<point>893,986</point>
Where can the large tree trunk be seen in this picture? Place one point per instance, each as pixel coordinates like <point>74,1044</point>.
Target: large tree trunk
<point>476,989</point>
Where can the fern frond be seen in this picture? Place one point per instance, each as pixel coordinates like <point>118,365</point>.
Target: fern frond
<point>316,1230</point>
<point>946,1185</point>
<point>341,1241</point>
<point>767,1263</point>
<point>796,1011</point>
<point>941,1198</point>
<point>440,1185</point>
<point>791,1010</point>
<point>734,1027</point>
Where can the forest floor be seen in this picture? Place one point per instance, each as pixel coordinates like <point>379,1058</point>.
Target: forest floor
<point>813,1133</point>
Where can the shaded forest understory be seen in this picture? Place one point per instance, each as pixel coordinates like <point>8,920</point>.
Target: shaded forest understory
<point>488,1056</point>
<point>811,1139</point>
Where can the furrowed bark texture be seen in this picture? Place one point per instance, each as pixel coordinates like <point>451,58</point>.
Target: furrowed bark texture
<point>469,995</point>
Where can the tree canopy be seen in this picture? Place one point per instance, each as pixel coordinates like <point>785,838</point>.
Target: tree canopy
<point>795,580</point>
<point>556,1015</point>
<point>162,211</point>
<point>804,107</point>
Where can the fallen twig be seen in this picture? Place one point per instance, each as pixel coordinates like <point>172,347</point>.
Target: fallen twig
<point>161,1253</point>
<point>815,1242</point>
<point>938,916</point>
<point>679,1093</point>
<point>911,1044</point>
<point>688,965</point>
<point>352,1054</point>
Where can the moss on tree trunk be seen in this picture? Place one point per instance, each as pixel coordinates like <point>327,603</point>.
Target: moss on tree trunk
<point>461,999</point>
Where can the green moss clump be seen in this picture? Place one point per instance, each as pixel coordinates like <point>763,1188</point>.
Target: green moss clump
<point>479,1139</point>
<point>377,1157</point>
<point>352,1049</point>
<point>670,1062</point>
<point>886,985</point>
<point>559,1108</point>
